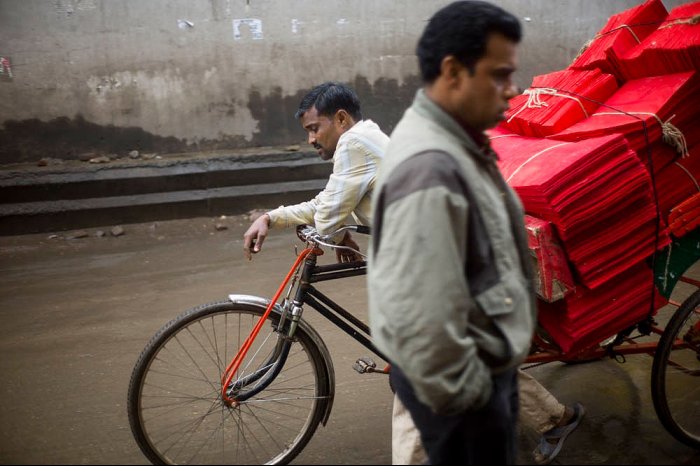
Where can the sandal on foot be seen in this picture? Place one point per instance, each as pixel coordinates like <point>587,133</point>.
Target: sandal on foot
<point>546,451</point>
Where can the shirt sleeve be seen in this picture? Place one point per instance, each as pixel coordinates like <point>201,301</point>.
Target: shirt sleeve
<point>292,215</point>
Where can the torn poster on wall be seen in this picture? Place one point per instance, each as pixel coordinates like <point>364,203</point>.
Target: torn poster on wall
<point>253,25</point>
<point>5,69</point>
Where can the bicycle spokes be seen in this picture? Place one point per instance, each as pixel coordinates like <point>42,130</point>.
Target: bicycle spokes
<point>226,389</point>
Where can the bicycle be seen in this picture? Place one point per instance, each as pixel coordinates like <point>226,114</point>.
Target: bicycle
<point>212,387</point>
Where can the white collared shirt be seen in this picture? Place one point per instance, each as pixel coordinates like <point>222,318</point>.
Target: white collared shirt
<point>349,188</point>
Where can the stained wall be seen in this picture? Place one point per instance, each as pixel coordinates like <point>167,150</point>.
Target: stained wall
<point>165,76</point>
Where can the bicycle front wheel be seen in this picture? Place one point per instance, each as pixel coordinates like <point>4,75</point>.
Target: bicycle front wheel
<point>675,373</point>
<point>176,410</point>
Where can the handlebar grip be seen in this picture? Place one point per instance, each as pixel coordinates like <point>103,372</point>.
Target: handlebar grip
<point>364,230</point>
<point>303,231</point>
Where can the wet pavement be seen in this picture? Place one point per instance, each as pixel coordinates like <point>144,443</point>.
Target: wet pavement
<point>75,314</point>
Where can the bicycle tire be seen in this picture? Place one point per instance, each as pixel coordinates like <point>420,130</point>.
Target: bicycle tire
<point>175,408</point>
<point>676,370</point>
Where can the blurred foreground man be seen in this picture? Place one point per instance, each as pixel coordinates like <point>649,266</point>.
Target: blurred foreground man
<point>450,288</point>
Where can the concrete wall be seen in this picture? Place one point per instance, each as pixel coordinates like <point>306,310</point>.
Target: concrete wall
<point>109,76</point>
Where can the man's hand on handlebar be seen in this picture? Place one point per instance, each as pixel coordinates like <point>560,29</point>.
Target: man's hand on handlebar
<point>346,255</point>
<point>255,236</point>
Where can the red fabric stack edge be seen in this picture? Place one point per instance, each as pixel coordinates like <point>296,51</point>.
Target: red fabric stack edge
<point>558,100</point>
<point>590,316</point>
<point>678,181</point>
<point>656,101</point>
<point>553,279</point>
<point>685,217</point>
<point>623,32</point>
<point>596,193</point>
<point>499,132</point>
<point>657,155</point>
<point>673,47</point>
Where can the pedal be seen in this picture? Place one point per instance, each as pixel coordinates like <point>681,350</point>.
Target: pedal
<point>364,366</point>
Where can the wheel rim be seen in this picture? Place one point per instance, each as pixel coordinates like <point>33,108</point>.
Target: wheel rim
<point>681,379</point>
<point>180,410</point>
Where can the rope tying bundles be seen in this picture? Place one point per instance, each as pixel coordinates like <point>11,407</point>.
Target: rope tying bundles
<point>671,134</point>
<point>534,99</point>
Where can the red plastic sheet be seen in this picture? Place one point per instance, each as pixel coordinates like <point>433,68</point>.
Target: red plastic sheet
<point>622,33</point>
<point>558,100</point>
<point>685,217</point>
<point>660,108</point>
<point>678,181</point>
<point>595,192</point>
<point>672,48</point>
<point>590,316</point>
<point>657,156</point>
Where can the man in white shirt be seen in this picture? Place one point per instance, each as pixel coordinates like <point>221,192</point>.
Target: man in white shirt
<point>330,114</point>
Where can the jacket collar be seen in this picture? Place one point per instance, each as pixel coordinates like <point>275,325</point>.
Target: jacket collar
<point>424,106</point>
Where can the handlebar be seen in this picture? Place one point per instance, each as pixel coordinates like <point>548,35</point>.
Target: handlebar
<point>308,233</point>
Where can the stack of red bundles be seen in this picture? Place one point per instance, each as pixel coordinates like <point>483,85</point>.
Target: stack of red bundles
<point>673,48</point>
<point>595,192</point>
<point>558,100</point>
<point>647,110</point>
<point>590,316</point>
<point>588,163</point>
<point>622,33</point>
<point>553,279</point>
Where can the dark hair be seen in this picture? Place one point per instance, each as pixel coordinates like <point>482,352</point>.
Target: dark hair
<point>330,97</point>
<point>462,29</point>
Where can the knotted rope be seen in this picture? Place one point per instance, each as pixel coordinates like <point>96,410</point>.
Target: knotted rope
<point>691,21</point>
<point>671,134</point>
<point>534,99</point>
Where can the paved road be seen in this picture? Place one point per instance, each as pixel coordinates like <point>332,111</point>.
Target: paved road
<point>75,314</point>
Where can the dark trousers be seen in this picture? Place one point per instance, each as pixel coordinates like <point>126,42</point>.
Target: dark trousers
<point>482,436</point>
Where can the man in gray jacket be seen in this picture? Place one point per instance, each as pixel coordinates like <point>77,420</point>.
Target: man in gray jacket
<point>450,289</point>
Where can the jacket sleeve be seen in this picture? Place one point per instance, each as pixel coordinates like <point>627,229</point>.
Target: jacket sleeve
<point>419,296</point>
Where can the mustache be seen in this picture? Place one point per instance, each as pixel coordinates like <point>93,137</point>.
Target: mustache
<point>317,146</point>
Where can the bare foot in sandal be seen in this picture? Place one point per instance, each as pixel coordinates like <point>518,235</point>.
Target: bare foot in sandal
<point>552,441</point>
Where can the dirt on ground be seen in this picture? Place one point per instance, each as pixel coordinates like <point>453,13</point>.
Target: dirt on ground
<point>78,307</point>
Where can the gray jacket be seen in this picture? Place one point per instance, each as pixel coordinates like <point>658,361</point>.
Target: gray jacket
<point>450,287</point>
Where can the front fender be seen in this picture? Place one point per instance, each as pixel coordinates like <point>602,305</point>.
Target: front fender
<point>263,303</point>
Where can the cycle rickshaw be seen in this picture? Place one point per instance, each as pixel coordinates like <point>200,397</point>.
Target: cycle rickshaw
<point>247,380</point>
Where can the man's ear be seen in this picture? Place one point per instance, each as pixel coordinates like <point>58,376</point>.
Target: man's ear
<point>343,120</point>
<point>450,69</point>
